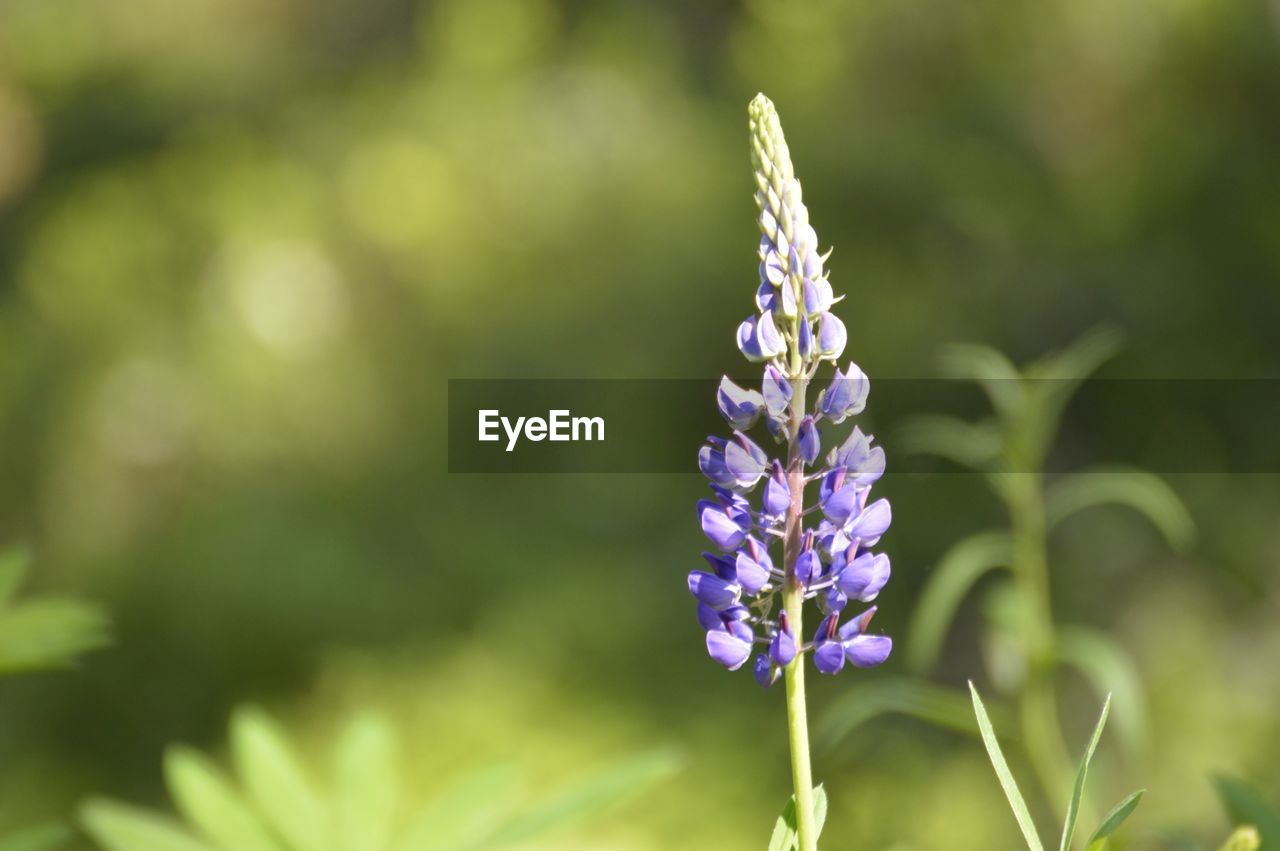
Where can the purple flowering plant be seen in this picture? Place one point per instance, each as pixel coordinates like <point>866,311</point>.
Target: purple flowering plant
<point>789,524</point>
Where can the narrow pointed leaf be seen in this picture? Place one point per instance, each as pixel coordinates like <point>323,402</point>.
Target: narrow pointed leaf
<point>1005,776</point>
<point>1077,791</point>
<point>48,633</point>
<point>120,827</point>
<point>784,836</point>
<point>963,565</point>
<point>365,783</point>
<point>276,783</point>
<point>972,445</point>
<point>1146,493</point>
<point>1113,820</point>
<point>936,704</point>
<point>211,805</point>
<point>1109,669</point>
<point>997,376</point>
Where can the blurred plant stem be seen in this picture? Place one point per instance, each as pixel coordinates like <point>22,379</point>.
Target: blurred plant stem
<point>793,602</point>
<point>1038,709</point>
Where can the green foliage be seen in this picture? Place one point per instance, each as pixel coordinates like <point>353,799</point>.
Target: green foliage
<point>1246,806</point>
<point>916,698</point>
<point>271,803</point>
<point>1077,789</point>
<point>785,837</point>
<point>1113,819</point>
<point>962,566</point>
<point>1021,644</point>
<point>47,632</point>
<point>1007,783</point>
<point>1098,839</point>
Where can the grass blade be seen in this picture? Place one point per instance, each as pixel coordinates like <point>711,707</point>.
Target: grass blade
<point>1114,819</point>
<point>1073,808</point>
<point>1007,782</point>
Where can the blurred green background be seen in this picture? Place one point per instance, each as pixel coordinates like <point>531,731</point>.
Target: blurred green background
<point>244,243</point>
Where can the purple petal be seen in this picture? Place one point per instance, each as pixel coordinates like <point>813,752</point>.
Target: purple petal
<point>777,492</point>
<point>739,406</point>
<point>766,673</point>
<point>720,528</point>
<point>709,618</point>
<point>834,601</point>
<point>722,566</point>
<point>846,395</point>
<point>769,340</point>
<point>729,647</point>
<point>752,575</point>
<point>782,649</point>
<point>711,463</point>
<point>831,336</point>
<point>829,657</point>
<point>766,297</point>
<point>804,344</point>
<point>776,391</point>
<point>810,440</point>
<point>871,523</point>
<point>808,567</point>
<point>843,503</point>
<point>863,578</point>
<point>745,460</point>
<point>863,462</point>
<point>712,590</point>
<point>867,651</point>
<point>856,625</point>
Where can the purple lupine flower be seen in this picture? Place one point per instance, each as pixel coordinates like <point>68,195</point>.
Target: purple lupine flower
<point>846,395</point>
<point>791,334</point>
<point>739,406</point>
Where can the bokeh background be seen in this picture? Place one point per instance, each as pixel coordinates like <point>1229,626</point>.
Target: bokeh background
<point>244,243</point>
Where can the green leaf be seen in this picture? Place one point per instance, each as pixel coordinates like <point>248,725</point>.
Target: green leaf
<point>1056,377</point>
<point>950,581</point>
<point>997,376</point>
<point>276,783</point>
<point>1144,492</point>
<point>785,836</point>
<point>936,704</point>
<point>365,783</point>
<point>13,569</point>
<point>585,799</point>
<point>120,827</point>
<point>44,838</point>
<point>470,806</point>
<point>1109,669</point>
<point>1113,820</point>
<point>1077,792</point>
<point>1243,839</point>
<point>48,633</point>
<point>973,445</point>
<point>1001,767</point>
<point>210,804</point>
<point>1246,806</point>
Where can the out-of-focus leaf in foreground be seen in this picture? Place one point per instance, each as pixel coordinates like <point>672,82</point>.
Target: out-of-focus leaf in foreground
<point>270,802</point>
<point>46,632</point>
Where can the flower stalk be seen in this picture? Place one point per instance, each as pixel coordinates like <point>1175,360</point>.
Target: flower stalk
<point>792,334</point>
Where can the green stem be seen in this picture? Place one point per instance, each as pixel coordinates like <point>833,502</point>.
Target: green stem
<point>793,603</point>
<point>1038,702</point>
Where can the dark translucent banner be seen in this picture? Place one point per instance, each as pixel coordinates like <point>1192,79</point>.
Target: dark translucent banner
<point>657,425</point>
